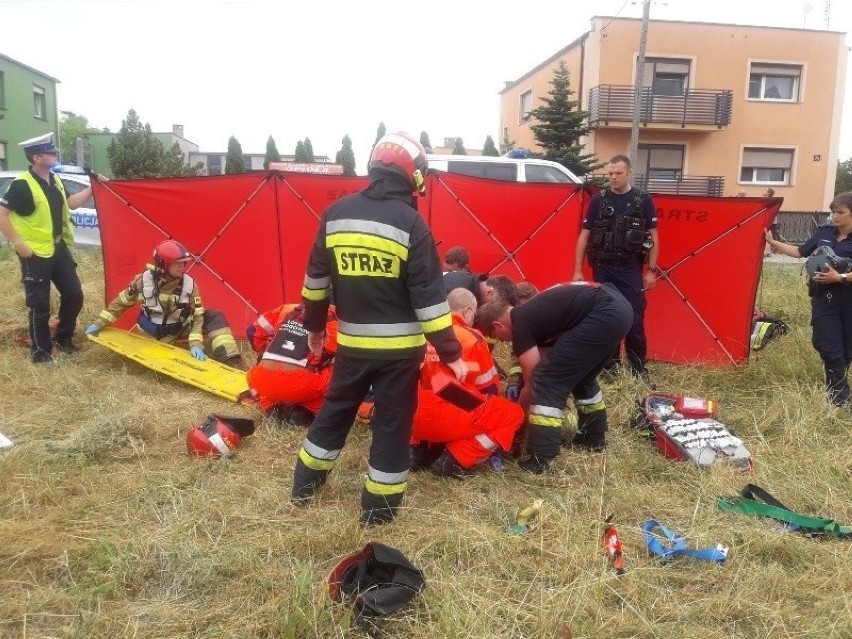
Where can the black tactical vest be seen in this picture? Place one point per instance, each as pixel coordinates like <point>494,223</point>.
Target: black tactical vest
<point>619,239</point>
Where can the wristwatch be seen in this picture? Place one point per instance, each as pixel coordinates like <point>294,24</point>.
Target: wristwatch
<point>843,278</point>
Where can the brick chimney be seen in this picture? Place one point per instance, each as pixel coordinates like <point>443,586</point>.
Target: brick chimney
<point>177,129</point>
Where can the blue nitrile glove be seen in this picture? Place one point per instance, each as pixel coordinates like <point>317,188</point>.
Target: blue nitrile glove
<point>198,353</point>
<point>93,329</point>
<point>513,392</point>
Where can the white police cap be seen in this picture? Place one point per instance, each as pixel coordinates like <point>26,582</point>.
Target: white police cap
<point>40,144</point>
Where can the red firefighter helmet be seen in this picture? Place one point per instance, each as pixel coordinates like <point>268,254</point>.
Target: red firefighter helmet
<point>169,252</point>
<point>403,154</point>
<point>218,436</point>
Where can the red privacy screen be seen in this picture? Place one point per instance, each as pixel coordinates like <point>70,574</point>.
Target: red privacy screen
<point>252,233</point>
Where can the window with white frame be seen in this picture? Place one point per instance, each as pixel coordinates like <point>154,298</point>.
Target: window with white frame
<point>660,161</point>
<point>666,76</point>
<point>39,103</point>
<point>766,166</point>
<point>2,90</point>
<point>526,105</point>
<point>774,81</point>
<point>3,156</point>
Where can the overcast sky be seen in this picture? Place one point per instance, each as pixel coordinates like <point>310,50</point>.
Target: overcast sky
<point>323,69</point>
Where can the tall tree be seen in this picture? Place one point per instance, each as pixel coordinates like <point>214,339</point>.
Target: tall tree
<point>300,155</point>
<point>844,177</point>
<point>346,157</point>
<point>174,164</point>
<point>424,140</point>
<point>134,152</point>
<point>506,144</point>
<point>234,162</point>
<point>272,154</point>
<point>561,124</point>
<point>458,147</point>
<point>488,148</point>
<point>380,132</point>
<point>309,150</point>
<point>71,127</point>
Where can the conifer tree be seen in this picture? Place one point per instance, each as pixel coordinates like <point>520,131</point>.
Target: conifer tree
<point>346,157</point>
<point>134,152</point>
<point>458,147</point>
<point>488,148</point>
<point>234,162</point>
<point>309,150</point>
<point>424,140</point>
<point>301,155</point>
<point>272,154</point>
<point>561,124</point>
<point>506,144</point>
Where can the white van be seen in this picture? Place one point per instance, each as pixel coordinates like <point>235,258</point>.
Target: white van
<point>504,168</point>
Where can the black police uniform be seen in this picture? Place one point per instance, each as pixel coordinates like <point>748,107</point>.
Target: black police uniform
<point>38,272</point>
<point>621,267</point>
<point>378,255</point>
<point>831,316</point>
<point>581,324</point>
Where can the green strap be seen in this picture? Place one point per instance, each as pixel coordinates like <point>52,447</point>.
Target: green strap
<point>757,509</point>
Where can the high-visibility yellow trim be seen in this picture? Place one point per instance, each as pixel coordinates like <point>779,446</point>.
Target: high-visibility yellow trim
<point>384,489</point>
<point>314,463</point>
<point>542,420</point>
<point>431,326</point>
<point>358,241</point>
<point>106,315</point>
<point>195,337</point>
<point>315,295</point>
<point>381,343</point>
<point>364,261</point>
<point>222,340</point>
<point>591,408</point>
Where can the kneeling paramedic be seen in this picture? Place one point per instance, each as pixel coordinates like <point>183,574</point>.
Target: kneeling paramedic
<point>450,439</point>
<point>562,337</point>
<point>378,255</point>
<point>171,307</point>
<point>290,382</point>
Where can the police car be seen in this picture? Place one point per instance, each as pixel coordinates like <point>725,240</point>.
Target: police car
<point>85,217</point>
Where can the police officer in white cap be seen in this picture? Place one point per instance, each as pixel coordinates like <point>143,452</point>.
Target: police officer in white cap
<point>35,218</point>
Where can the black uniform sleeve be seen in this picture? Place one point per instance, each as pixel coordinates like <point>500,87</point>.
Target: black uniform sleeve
<point>592,212</point>
<point>427,294</point>
<point>650,211</point>
<point>19,198</point>
<point>316,291</point>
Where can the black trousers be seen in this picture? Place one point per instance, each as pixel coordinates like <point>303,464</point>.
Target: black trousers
<point>831,321</point>
<point>627,278</point>
<point>572,366</point>
<point>37,273</point>
<point>394,384</point>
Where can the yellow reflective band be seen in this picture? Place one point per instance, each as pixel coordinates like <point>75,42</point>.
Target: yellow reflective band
<point>591,408</point>
<point>315,295</point>
<point>314,463</point>
<point>195,337</point>
<point>542,420</point>
<point>124,298</point>
<point>516,370</point>
<point>362,241</point>
<point>361,261</point>
<point>222,340</point>
<point>381,343</point>
<point>432,326</point>
<point>106,315</point>
<point>198,311</point>
<point>384,489</point>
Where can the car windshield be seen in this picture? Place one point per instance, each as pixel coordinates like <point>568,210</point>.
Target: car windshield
<point>4,184</point>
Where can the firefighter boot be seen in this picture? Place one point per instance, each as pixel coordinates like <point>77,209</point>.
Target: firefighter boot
<point>378,509</point>
<point>306,481</point>
<point>448,466</point>
<point>591,427</point>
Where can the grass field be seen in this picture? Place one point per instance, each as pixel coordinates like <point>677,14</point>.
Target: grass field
<point>108,529</point>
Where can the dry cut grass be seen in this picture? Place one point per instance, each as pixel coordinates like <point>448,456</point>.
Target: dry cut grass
<point>108,529</point>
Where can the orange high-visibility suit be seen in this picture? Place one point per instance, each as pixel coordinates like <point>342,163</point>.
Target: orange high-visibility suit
<point>470,437</point>
<point>287,372</point>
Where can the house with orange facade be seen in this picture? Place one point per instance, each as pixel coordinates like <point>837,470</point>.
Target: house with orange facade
<point>723,109</point>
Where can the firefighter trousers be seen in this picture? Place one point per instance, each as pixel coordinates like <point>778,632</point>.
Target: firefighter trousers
<point>394,384</point>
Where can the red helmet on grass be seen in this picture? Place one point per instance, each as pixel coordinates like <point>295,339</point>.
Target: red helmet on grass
<point>169,252</point>
<point>218,436</point>
<point>403,154</point>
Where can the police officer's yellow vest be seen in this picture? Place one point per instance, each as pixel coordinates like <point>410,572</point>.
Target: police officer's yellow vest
<point>37,229</point>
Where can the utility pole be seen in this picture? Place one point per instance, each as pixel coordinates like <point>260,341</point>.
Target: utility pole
<point>633,152</point>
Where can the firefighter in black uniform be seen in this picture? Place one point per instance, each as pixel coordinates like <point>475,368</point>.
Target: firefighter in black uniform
<point>579,325</point>
<point>831,294</point>
<point>378,255</point>
<point>619,235</point>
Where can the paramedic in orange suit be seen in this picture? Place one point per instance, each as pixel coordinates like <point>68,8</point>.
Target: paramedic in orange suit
<point>468,438</point>
<point>290,382</point>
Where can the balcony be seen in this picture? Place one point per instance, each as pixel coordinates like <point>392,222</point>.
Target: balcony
<point>702,110</point>
<point>704,185</point>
